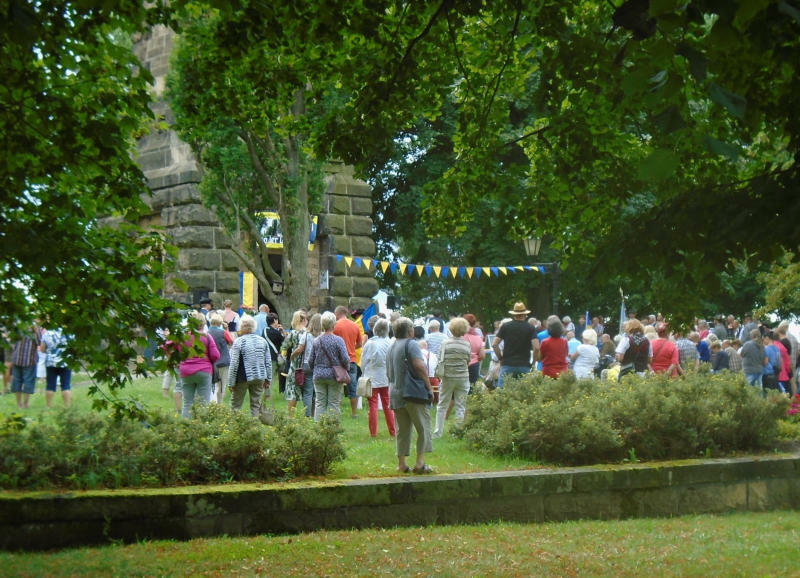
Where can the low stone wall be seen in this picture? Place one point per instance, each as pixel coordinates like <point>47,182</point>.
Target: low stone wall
<point>44,521</point>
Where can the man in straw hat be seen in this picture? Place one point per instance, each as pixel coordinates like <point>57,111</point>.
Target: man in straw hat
<point>517,337</point>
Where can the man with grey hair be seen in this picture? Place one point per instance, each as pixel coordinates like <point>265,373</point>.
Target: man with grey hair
<point>261,318</point>
<point>435,337</point>
<point>405,355</point>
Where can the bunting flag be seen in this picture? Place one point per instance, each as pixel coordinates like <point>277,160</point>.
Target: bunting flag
<point>438,271</point>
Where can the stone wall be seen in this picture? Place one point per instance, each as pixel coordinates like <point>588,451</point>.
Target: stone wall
<point>206,263</point>
<point>43,521</point>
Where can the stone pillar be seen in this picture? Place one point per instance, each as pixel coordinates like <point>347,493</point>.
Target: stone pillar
<point>347,230</point>
<point>205,263</point>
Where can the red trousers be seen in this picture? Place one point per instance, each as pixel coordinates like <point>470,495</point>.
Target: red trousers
<point>373,411</point>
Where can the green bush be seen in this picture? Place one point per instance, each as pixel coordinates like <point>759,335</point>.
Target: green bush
<point>81,450</point>
<point>569,421</point>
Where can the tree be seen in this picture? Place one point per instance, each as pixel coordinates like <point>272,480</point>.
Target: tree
<point>655,131</point>
<point>72,100</point>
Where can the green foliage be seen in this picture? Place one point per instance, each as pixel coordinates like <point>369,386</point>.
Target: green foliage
<point>569,421</point>
<point>88,450</point>
<point>72,101</point>
<point>782,286</point>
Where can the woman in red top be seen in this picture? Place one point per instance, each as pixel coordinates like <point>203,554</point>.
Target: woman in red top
<point>553,350</point>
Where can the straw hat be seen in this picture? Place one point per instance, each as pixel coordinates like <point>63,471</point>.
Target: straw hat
<point>519,309</point>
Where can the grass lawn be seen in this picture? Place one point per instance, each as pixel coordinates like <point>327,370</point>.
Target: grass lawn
<point>748,544</point>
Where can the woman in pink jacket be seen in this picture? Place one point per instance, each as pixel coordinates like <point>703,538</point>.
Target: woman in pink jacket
<point>197,369</point>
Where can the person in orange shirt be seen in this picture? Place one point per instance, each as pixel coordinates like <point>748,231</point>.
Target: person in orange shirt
<point>349,331</point>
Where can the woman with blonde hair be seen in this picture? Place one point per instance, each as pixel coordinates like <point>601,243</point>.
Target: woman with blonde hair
<point>634,350</point>
<point>587,356</point>
<point>454,356</point>
<point>295,350</point>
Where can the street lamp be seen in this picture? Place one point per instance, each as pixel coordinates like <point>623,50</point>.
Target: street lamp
<point>532,247</point>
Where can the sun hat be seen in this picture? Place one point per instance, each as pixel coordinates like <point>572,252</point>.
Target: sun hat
<point>519,309</point>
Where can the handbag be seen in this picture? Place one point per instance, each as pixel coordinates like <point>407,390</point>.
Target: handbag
<point>300,372</point>
<point>414,389</point>
<point>341,374</point>
<point>364,387</point>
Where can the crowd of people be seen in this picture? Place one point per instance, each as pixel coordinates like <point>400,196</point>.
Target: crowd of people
<point>320,359</point>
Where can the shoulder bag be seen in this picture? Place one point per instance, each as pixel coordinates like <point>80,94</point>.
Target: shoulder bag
<point>414,389</point>
<point>364,387</point>
<point>341,374</point>
<point>300,372</point>
<point>281,360</point>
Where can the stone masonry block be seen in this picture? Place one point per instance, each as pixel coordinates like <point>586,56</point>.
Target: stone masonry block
<point>222,240</point>
<point>180,195</point>
<point>358,226</point>
<point>195,215</point>
<point>342,286</point>
<point>229,261</point>
<point>227,283</point>
<point>362,246</point>
<point>192,237</point>
<point>361,206</point>
<point>340,268</point>
<point>356,188</point>
<point>198,280</point>
<point>331,224</point>
<point>199,259</point>
<point>365,287</point>
<point>340,205</point>
<point>341,244</point>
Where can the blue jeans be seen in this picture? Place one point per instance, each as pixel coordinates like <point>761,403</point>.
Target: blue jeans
<point>23,379</point>
<point>754,379</point>
<point>351,387</point>
<point>514,370</point>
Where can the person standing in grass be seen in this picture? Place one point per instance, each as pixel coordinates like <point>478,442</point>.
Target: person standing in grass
<point>553,350</point>
<point>754,359</point>
<point>328,350</point>
<point>24,359</point>
<point>196,370</point>
<point>251,367</point>
<point>373,364</point>
<point>454,357</point>
<point>295,349</point>
<point>409,414</point>
<point>53,344</point>
<point>222,365</point>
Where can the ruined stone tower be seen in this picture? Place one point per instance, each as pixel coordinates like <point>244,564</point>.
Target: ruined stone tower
<point>205,261</point>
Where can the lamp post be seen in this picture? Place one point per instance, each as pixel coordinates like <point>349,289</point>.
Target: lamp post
<point>532,247</point>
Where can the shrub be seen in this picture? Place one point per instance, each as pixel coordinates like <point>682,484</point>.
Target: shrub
<point>72,449</point>
<point>569,421</point>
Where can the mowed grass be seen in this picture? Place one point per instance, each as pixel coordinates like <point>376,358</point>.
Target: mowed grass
<point>741,544</point>
<point>366,457</point>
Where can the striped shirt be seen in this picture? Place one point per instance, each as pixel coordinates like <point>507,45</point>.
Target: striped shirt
<point>24,353</point>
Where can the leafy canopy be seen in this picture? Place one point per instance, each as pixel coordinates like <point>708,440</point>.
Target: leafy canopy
<point>72,101</point>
